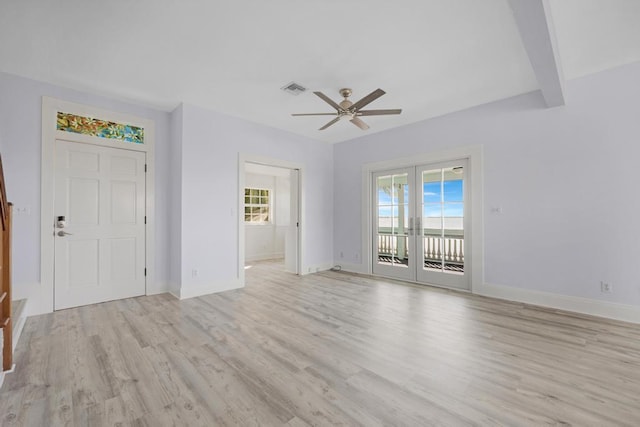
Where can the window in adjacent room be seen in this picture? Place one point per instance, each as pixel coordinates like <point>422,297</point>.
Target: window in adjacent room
<point>257,204</point>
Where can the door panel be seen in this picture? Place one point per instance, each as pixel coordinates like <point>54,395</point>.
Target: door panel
<point>101,193</point>
<point>441,230</point>
<point>392,235</point>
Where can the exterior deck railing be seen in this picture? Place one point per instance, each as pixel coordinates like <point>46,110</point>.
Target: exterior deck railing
<point>436,248</point>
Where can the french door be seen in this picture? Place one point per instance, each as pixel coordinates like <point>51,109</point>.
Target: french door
<point>421,224</point>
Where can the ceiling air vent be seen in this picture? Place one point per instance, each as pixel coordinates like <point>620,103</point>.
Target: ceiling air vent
<point>294,88</point>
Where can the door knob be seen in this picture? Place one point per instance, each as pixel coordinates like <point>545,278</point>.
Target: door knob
<point>63,233</point>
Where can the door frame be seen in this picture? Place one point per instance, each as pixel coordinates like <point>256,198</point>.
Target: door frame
<point>474,155</point>
<point>244,158</point>
<point>50,108</point>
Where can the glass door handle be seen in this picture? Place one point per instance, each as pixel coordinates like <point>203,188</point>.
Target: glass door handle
<point>418,226</point>
<point>411,226</point>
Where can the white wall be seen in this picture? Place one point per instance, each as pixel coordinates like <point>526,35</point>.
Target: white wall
<point>20,123</point>
<point>211,145</point>
<point>566,179</point>
<point>266,241</point>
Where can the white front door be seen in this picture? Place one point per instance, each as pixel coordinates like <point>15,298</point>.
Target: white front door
<point>100,251</point>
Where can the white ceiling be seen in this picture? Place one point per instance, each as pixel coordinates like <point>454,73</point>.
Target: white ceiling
<point>431,57</point>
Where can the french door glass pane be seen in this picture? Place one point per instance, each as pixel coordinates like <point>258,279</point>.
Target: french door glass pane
<point>442,228</point>
<point>393,217</point>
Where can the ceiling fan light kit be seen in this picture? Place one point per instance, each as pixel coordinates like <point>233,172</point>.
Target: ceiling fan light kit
<point>347,110</point>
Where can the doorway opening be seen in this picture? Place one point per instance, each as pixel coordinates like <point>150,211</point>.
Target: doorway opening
<point>269,215</point>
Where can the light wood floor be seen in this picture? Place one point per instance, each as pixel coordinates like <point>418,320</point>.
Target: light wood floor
<point>325,349</point>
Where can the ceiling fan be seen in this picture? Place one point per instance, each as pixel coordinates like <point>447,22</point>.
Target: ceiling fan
<point>347,110</point>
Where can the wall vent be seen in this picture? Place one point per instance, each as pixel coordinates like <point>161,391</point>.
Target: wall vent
<point>294,88</point>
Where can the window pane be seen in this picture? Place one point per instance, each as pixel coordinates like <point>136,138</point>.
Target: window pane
<point>246,191</point>
<point>453,191</point>
<point>400,189</point>
<point>431,186</point>
<point>453,209</point>
<point>383,186</point>
<point>384,219</point>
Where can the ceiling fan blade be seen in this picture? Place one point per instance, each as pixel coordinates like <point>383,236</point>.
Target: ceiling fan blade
<point>379,112</point>
<point>328,100</point>
<point>368,99</point>
<point>336,120</point>
<point>362,125</point>
<point>314,114</point>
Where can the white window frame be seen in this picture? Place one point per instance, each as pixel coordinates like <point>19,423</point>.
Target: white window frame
<point>268,205</point>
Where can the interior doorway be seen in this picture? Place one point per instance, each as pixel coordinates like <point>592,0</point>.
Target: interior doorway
<point>270,215</point>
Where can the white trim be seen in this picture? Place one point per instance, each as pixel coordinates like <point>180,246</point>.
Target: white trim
<point>591,307</point>
<point>265,256</point>
<point>351,268</point>
<point>50,107</point>
<point>196,291</point>
<point>474,154</point>
<point>250,158</point>
<point>317,268</point>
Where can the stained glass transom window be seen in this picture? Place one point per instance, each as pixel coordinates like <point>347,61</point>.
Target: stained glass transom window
<point>101,128</point>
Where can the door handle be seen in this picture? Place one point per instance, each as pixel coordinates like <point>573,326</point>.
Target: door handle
<point>411,226</point>
<point>63,233</point>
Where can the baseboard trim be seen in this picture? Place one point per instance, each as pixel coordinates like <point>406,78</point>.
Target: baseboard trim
<point>196,291</point>
<point>610,310</point>
<point>19,326</point>
<point>310,269</point>
<point>591,307</point>
<point>157,289</point>
<point>351,268</point>
<point>265,257</point>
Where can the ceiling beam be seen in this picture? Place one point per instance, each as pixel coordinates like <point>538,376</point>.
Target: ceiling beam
<point>535,24</point>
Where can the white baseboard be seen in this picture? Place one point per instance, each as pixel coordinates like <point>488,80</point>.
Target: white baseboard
<point>196,291</point>
<point>18,326</point>
<point>611,310</point>
<point>310,269</point>
<point>263,257</point>
<point>157,289</point>
<point>351,268</point>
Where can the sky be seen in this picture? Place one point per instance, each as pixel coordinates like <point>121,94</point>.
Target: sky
<point>438,199</point>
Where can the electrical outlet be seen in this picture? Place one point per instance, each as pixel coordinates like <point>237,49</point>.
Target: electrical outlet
<point>341,254</point>
<point>606,288</point>
<point>194,273</point>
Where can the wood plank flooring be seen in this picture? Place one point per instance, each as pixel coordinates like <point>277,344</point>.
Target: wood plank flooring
<point>324,349</point>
